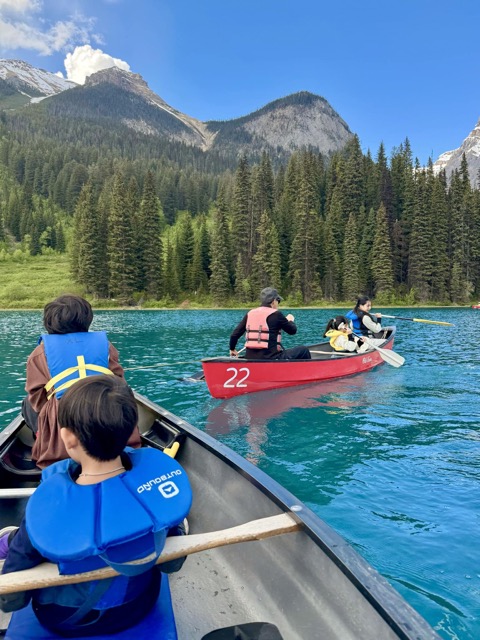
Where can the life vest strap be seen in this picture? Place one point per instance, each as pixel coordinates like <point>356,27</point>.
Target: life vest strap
<point>82,369</point>
<point>130,569</point>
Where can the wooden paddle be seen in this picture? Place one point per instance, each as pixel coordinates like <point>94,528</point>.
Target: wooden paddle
<point>387,355</point>
<point>419,320</point>
<point>46,574</point>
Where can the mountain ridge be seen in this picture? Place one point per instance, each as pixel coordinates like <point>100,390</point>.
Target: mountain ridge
<point>280,127</point>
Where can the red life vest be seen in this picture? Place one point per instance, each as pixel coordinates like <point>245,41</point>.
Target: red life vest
<point>258,333</point>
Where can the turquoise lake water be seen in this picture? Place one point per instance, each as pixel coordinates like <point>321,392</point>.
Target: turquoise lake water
<point>389,458</point>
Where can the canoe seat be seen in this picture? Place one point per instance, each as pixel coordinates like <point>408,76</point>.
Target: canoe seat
<point>159,624</point>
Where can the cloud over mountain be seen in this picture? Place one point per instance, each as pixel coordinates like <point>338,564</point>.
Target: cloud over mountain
<point>22,26</point>
<point>85,60</point>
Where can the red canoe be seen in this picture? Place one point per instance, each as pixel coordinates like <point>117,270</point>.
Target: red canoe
<point>475,306</point>
<point>228,377</point>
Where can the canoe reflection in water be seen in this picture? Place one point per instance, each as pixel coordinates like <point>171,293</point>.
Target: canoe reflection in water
<point>256,410</point>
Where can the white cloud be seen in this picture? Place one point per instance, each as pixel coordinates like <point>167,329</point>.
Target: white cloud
<point>85,60</point>
<point>22,27</point>
<point>19,6</point>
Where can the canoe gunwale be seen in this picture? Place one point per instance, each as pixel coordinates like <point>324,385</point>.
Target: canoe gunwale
<point>388,603</point>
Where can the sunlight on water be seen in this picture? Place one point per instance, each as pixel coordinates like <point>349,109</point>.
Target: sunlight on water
<point>389,458</point>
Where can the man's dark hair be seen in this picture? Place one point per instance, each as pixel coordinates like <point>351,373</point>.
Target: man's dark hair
<point>102,413</point>
<point>67,314</point>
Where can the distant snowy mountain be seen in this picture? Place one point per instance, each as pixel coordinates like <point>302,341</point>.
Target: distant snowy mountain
<point>450,160</point>
<point>22,83</point>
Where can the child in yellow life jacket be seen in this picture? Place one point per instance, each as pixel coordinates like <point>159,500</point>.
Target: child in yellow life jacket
<point>339,332</point>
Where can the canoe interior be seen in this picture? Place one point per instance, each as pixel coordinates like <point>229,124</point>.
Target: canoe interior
<point>311,584</point>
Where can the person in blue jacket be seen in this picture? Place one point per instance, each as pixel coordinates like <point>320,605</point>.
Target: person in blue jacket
<point>66,352</point>
<point>101,511</point>
<point>365,322</point>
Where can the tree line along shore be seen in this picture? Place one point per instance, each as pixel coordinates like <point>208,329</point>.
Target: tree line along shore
<point>131,233</point>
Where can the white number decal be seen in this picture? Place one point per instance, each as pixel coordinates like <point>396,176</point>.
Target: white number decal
<point>229,384</point>
<point>247,373</point>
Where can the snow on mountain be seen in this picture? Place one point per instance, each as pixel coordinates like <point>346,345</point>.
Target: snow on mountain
<point>32,81</point>
<point>451,160</point>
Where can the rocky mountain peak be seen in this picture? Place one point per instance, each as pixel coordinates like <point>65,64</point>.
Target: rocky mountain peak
<point>451,160</point>
<point>30,81</point>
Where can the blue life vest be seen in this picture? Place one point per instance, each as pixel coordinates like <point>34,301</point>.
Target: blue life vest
<point>358,326</point>
<point>72,356</point>
<point>125,518</point>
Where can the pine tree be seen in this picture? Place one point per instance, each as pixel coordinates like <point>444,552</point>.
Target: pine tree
<point>352,186</point>
<point>121,251</point>
<point>420,258</point>
<point>149,242</point>
<point>171,286</point>
<point>266,262</point>
<point>88,244</point>
<point>381,257</point>
<point>184,251</point>
<point>459,201</point>
<point>241,219</point>
<point>220,278</point>
<point>351,260</point>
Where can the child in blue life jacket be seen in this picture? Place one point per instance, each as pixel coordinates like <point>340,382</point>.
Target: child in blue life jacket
<point>67,352</point>
<point>365,322</point>
<point>94,510</point>
<point>341,337</point>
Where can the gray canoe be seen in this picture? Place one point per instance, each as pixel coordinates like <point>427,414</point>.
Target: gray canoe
<point>310,583</point>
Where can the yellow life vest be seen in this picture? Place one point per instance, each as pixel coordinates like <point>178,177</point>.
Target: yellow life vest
<point>333,334</point>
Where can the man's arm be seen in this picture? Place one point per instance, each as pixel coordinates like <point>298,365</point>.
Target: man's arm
<point>285,323</point>
<point>238,332</point>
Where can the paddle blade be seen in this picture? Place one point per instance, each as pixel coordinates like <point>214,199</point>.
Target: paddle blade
<point>395,359</point>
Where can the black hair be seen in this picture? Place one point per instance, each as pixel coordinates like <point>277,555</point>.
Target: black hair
<point>360,302</point>
<point>102,413</point>
<point>334,323</point>
<point>67,314</point>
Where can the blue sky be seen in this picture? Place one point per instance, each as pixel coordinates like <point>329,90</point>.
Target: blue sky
<point>390,68</point>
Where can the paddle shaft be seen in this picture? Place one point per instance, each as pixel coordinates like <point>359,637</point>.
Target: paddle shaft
<point>46,575</point>
<point>419,320</point>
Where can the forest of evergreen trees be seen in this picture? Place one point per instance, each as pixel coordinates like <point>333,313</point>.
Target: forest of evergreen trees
<point>146,227</point>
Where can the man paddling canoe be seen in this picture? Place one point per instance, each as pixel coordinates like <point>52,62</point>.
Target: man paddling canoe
<point>263,327</point>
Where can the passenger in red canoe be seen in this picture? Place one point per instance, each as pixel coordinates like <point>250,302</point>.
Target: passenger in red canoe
<point>263,327</point>
<point>341,336</point>
<point>364,321</point>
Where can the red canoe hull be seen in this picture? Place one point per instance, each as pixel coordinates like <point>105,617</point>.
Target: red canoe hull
<point>229,377</point>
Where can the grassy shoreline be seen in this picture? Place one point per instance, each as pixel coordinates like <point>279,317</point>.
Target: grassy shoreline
<point>27,285</point>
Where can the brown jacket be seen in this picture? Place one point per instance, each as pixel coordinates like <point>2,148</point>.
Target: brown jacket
<point>48,447</point>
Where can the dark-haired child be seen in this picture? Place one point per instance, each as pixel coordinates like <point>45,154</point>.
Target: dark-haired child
<point>99,514</point>
<point>364,321</point>
<point>340,334</point>
<point>67,352</point>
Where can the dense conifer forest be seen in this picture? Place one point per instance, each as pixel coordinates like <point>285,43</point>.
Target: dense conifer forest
<point>154,222</point>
